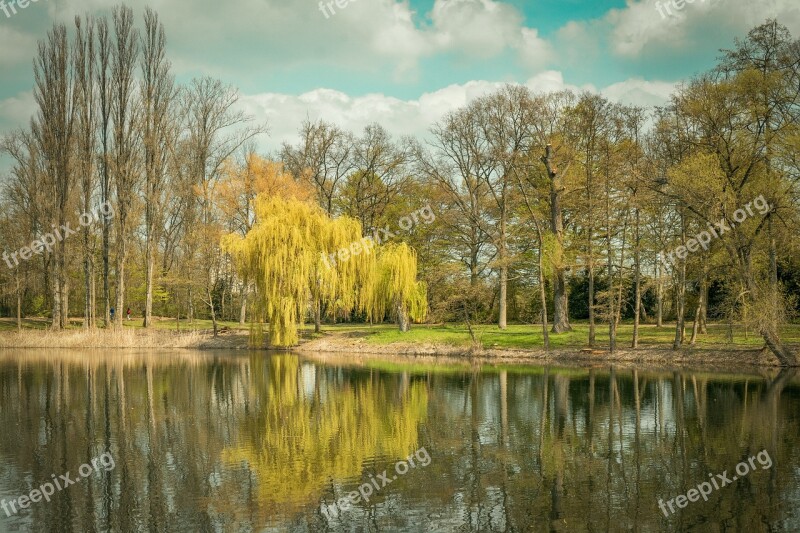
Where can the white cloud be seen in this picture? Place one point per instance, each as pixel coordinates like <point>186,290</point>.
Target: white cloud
<point>534,51</point>
<point>640,92</point>
<point>480,28</point>
<point>17,47</point>
<point>641,27</point>
<point>16,111</point>
<point>484,29</point>
<point>413,117</point>
<point>223,38</point>
<point>551,81</point>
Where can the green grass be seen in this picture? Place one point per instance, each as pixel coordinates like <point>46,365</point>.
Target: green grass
<point>530,336</point>
<point>27,323</point>
<point>524,336</point>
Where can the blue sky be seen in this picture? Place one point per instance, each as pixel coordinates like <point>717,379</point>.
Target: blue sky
<point>407,63</point>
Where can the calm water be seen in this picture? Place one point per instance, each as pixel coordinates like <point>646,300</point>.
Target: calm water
<point>229,442</point>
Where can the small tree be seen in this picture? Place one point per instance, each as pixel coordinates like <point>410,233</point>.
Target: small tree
<point>394,284</point>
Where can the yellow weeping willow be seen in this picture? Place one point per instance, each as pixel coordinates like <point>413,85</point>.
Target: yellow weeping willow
<point>287,254</point>
<point>394,284</point>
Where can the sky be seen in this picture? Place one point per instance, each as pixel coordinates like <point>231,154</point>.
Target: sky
<point>405,64</point>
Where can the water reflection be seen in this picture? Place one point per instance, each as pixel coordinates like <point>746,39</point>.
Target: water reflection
<point>226,442</point>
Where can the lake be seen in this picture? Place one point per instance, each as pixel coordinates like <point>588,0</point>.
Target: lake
<point>214,441</point>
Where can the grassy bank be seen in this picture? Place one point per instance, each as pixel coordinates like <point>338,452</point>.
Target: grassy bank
<point>520,341</point>
<point>528,337</point>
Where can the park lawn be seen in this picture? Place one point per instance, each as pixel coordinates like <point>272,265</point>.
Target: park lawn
<point>8,324</point>
<point>527,336</point>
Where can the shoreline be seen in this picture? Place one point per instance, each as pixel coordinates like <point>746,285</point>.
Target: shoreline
<point>651,356</point>
<point>336,344</point>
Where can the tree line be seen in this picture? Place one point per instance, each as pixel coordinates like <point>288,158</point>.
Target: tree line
<point>550,207</point>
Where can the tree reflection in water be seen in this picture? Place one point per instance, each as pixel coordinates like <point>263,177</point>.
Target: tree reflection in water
<point>226,442</point>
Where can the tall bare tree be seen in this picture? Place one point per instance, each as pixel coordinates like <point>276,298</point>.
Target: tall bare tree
<point>215,131</point>
<point>86,130</point>
<point>452,166</point>
<point>104,88</point>
<point>158,134</point>
<point>54,129</point>
<point>324,158</point>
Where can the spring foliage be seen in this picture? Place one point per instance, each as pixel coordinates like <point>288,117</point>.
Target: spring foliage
<point>395,286</point>
<point>286,254</point>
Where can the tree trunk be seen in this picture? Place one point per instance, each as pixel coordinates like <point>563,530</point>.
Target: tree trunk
<point>317,316</point>
<point>680,296</point>
<point>64,298</point>
<point>773,264</point>
<point>501,322</point>
<point>560,304</point>
<point>122,251</point>
<point>542,292</point>
<point>106,264</point>
<point>703,299</point>
<point>696,323</point>
<point>592,328</point>
<point>560,301</point>
<point>19,304</point>
<point>768,331</point>
<point>93,297</point>
<point>149,266</point>
<point>402,317</point>
<point>87,277</point>
<point>786,356</point>
<point>55,323</point>
<point>659,296</point>
<point>612,307</point>
<point>211,307</point>
<point>636,282</point>
<point>243,309</point>
<point>680,307</point>
<point>190,304</point>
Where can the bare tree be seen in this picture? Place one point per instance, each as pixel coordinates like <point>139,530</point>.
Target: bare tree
<point>324,158</point>
<point>215,132</point>
<point>451,165</point>
<point>158,134</point>
<point>125,175</point>
<point>54,128</point>
<point>381,174</point>
<point>86,88</point>
<point>104,87</point>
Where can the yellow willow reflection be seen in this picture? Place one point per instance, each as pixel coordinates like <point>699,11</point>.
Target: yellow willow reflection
<point>315,429</point>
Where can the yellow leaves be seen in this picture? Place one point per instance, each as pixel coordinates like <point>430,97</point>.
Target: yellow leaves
<point>394,283</point>
<point>280,254</point>
<point>285,254</point>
